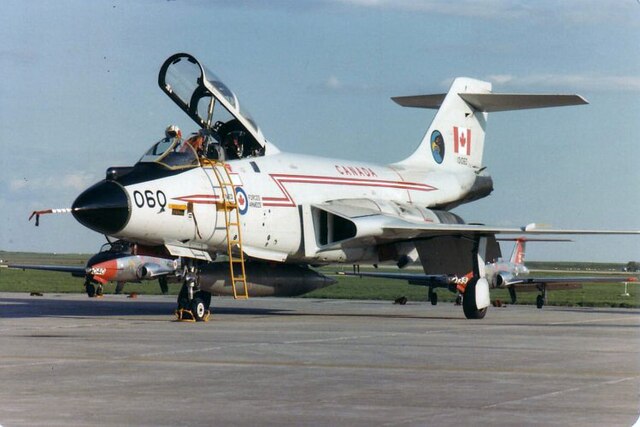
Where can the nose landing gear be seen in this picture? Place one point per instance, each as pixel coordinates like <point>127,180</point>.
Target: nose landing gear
<point>193,304</point>
<point>92,290</point>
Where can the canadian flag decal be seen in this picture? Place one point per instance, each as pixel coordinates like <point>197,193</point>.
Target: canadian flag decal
<point>461,139</point>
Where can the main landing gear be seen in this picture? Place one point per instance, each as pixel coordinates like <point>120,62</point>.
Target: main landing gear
<point>432,296</point>
<point>476,298</point>
<point>542,298</point>
<point>469,303</point>
<point>193,304</point>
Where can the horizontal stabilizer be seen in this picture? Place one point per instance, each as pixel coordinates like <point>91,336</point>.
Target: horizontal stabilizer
<point>493,102</point>
<point>420,101</point>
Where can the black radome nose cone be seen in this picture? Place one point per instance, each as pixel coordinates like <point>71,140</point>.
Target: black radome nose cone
<point>103,207</point>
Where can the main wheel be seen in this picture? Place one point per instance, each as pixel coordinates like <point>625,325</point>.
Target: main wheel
<point>469,306</point>
<point>198,309</point>
<point>434,298</point>
<point>205,297</point>
<point>91,289</point>
<point>540,301</point>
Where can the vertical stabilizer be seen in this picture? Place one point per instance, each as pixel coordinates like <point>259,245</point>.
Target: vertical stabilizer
<point>519,250</point>
<point>517,256</point>
<point>455,138</point>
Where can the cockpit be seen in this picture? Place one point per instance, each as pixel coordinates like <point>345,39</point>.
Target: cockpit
<point>172,153</point>
<point>227,130</point>
<point>178,153</point>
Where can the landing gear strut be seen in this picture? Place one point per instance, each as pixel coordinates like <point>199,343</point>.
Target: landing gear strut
<point>193,304</point>
<point>164,286</point>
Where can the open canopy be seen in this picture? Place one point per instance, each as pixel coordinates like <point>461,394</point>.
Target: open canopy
<point>208,101</point>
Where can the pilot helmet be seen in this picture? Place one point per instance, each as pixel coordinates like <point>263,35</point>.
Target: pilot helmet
<point>173,131</point>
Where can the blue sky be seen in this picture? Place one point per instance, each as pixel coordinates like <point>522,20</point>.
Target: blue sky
<point>79,94</point>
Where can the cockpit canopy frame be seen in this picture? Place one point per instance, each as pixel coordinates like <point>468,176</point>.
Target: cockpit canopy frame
<point>201,94</point>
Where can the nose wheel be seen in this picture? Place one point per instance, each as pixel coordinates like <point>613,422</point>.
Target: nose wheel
<point>193,304</point>
<point>92,290</point>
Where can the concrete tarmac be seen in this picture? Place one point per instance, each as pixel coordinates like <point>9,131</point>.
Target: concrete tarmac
<point>68,360</point>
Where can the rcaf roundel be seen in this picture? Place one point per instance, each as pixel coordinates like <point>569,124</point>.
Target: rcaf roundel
<point>241,197</point>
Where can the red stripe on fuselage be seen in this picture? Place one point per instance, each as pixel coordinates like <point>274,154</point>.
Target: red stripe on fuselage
<point>287,201</point>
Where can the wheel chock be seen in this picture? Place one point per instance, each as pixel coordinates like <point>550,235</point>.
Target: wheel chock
<point>185,315</point>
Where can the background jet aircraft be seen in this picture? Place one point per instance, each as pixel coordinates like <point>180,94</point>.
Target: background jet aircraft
<point>229,190</point>
<point>118,262</point>
<point>512,274</point>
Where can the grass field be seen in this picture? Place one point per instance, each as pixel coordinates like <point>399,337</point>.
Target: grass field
<point>591,295</point>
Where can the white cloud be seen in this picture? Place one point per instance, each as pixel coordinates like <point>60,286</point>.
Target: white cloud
<point>569,81</point>
<point>75,181</point>
<point>333,83</point>
<point>566,11</point>
<point>487,8</point>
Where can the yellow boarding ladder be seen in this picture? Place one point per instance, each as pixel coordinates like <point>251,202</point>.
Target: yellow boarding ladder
<point>229,205</point>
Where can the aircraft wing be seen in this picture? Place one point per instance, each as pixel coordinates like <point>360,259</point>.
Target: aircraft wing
<point>522,284</point>
<point>564,281</point>
<point>432,280</point>
<point>364,222</point>
<point>75,271</point>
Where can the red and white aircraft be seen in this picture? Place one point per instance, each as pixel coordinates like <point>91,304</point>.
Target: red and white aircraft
<point>511,274</point>
<point>228,190</point>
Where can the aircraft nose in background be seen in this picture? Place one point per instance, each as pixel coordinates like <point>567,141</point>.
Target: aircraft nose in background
<point>103,207</point>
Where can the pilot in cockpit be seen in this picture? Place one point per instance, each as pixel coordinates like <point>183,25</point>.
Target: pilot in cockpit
<point>207,144</point>
<point>196,141</point>
<point>233,145</point>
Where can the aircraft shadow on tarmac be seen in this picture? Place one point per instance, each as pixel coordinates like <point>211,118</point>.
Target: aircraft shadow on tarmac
<point>30,307</point>
<point>49,307</point>
<point>35,307</point>
<point>623,312</point>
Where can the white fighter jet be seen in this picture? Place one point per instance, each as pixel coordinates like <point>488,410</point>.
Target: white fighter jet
<point>228,190</point>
